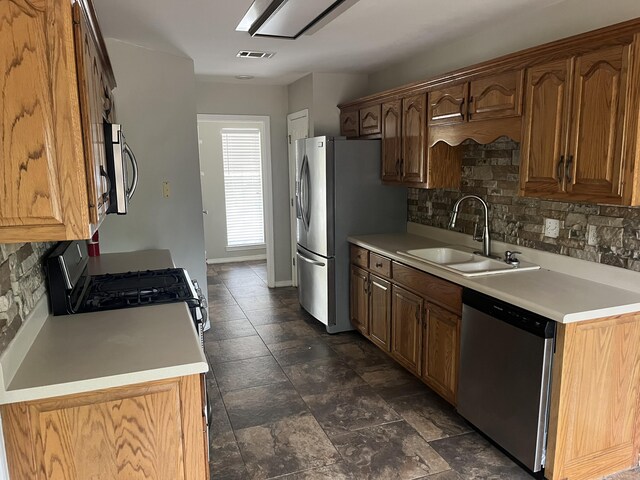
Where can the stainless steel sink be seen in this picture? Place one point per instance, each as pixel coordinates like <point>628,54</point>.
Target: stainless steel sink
<point>465,263</point>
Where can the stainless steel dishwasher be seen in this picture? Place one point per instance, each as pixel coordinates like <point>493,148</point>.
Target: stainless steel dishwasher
<point>505,374</point>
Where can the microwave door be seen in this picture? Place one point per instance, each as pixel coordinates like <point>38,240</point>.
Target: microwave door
<point>119,157</point>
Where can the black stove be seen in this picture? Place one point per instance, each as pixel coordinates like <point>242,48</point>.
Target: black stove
<point>73,290</point>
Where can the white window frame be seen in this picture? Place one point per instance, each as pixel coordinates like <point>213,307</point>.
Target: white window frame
<point>267,185</point>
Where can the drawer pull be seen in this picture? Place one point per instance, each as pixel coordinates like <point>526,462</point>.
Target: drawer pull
<point>378,264</point>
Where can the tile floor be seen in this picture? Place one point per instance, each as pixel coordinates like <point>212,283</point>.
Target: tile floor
<point>293,402</point>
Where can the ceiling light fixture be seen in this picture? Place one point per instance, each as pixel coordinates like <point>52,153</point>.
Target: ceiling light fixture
<point>254,54</point>
<point>245,77</point>
<point>290,18</point>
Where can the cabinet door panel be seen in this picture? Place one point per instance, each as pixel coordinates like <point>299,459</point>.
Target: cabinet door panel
<point>544,141</point>
<point>380,312</point>
<point>406,334</point>
<point>497,96</point>
<point>448,105</point>
<point>92,94</point>
<point>370,120</point>
<point>359,300</point>
<point>441,351</point>
<point>349,123</point>
<point>598,123</point>
<point>391,140</point>
<point>413,138</point>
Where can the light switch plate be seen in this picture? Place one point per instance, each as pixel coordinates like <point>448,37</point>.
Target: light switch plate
<point>592,237</point>
<point>166,190</point>
<point>429,207</point>
<point>551,228</point>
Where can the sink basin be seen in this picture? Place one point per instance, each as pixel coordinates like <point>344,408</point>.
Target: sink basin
<point>465,263</point>
<point>441,255</point>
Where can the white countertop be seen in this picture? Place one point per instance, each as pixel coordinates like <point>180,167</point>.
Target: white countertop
<point>558,296</point>
<point>92,351</point>
<point>68,354</point>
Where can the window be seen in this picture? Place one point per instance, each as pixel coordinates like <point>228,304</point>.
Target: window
<point>242,162</point>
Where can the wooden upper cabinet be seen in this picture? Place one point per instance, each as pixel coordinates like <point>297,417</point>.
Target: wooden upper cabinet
<point>391,140</point>
<point>44,194</point>
<point>349,123</point>
<point>441,351</point>
<point>413,138</point>
<point>496,96</point>
<point>594,165</point>
<point>370,120</point>
<point>406,328</point>
<point>448,105</point>
<point>574,127</point>
<point>545,128</point>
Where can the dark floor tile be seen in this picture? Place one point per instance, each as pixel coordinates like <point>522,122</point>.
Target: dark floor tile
<point>473,458</point>
<point>260,405</point>
<point>258,302</point>
<point>232,329</point>
<point>225,313</point>
<point>389,452</point>
<point>430,416</point>
<point>350,409</point>
<point>267,316</point>
<point>633,474</point>
<point>233,267</point>
<point>222,302</point>
<point>213,280</point>
<point>231,276</point>
<point>344,337</point>
<point>300,351</point>
<point>359,355</point>
<point>251,372</point>
<point>337,471</point>
<point>448,475</point>
<point>283,332</point>
<point>391,381</point>
<point>225,461</point>
<point>285,292</point>
<point>235,349</point>
<point>285,446</point>
<point>244,290</point>
<point>219,424</point>
<point>323,375</point>
<point>243,281</point>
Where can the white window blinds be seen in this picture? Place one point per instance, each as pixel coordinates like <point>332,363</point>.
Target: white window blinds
<point>242,159</point>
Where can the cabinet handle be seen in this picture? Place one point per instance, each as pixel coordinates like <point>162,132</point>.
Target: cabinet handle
<point>418,316</point>
<point>559,169</point>
<point>469,108</point>
<point>567,171</point>
<point>378,264</point>
<point>366,286</point>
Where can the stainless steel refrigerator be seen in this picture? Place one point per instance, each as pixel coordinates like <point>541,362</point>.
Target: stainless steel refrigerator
<point>338,193</point>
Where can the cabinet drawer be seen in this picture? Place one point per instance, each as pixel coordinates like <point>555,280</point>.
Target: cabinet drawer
<point>360,256</point>
<point>379,264</point>
<point>435,289</point>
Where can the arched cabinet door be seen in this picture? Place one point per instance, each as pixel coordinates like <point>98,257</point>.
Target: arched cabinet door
<point>594,166</point>
<point>545,127</point>
<point>413,138</point>
<point>497,96</point>
<point>448,105</point>
<point>391,141</point>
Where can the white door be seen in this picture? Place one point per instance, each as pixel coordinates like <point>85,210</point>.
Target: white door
<point>297,127</point>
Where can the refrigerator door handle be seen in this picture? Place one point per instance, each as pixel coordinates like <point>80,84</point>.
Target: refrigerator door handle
<point>309,260</point>
<point>307,210</point>
<point>303,198</point>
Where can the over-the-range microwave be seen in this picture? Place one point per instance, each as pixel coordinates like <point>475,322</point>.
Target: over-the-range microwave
<point>119,157</point>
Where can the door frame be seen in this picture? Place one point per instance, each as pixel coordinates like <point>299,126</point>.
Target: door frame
<point>292,190</point>
<point>267,183</point>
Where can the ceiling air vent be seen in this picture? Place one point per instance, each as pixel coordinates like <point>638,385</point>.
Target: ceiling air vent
<point>254,54</point>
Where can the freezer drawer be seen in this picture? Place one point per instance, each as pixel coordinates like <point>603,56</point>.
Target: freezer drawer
<point>316,290</point>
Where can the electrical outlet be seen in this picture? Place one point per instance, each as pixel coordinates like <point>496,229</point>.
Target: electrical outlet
<point>592,236</point>
<point>166,190</point>
<point>551,228</point>
<point>429,206</point>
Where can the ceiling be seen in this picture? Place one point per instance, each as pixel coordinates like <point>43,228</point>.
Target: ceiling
<point>365,38</point>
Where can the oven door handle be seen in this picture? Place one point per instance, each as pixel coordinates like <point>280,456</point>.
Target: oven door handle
<point>134,167</point>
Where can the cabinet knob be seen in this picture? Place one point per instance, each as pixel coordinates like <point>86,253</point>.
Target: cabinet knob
<point>378,264</point>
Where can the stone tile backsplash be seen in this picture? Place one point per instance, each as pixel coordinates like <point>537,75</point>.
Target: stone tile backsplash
<point>597,233</point>
<point>22,284</point>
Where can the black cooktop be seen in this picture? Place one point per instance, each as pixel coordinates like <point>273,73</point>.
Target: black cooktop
<point>122,290</point>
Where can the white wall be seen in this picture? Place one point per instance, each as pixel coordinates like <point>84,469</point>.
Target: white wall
<point>213,199</point>
<point>531,27</point>
<point>271,101</point>
<point>329,90</point>
<point>300,97</point>
<point>155,102</point>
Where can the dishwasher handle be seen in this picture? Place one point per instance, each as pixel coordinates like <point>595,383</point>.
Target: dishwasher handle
<point>517,316</point>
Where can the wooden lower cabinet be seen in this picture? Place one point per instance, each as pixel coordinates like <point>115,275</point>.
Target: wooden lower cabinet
<point>149,431</point>
<point>380,312</point>
<point>406,324</point>
<point>359,299</point>
<point>441,351</point>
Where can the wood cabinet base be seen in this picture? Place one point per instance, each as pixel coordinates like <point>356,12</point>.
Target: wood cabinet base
<point>148,431</point>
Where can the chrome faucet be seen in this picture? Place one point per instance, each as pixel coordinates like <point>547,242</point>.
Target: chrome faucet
<point>486,238</point>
